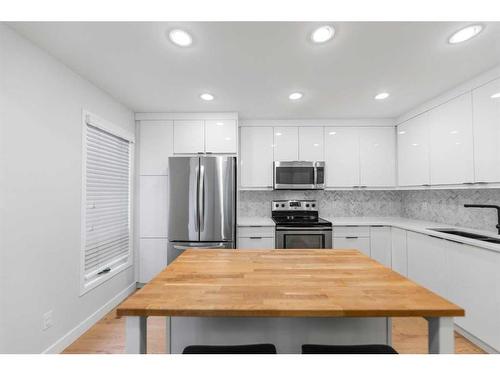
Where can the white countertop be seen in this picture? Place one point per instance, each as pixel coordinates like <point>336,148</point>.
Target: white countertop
<point>418,226</point>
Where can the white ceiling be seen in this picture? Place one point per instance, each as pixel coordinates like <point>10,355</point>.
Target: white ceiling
<point>251,67</point>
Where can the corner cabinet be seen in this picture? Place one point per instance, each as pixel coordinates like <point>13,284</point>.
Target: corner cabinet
<point>451,145</point>
<point>377,157</point>
<point>256,157</point>
<point>413,152</point>
<point>486,124</point>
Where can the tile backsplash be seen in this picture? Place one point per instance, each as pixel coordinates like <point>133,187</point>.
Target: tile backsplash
<point>331,203</point>
<point>447,207</point>
<point>442,206</point>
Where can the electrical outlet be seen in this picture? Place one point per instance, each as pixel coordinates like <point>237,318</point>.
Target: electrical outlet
<point>47,320</point>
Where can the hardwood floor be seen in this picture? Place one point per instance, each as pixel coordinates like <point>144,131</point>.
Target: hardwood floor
<point>108,336</point>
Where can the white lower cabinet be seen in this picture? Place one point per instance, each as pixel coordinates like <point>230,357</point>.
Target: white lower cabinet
<point>474,280</point>
<point>152,257</point>
<point>256,242</point>
<point>255,237</point>
<point>399,256</point>
<point>427,262</point>
<point>352,237</point>
<point>380,245</point>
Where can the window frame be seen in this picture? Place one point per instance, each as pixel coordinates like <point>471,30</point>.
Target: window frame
<point>89,118</point>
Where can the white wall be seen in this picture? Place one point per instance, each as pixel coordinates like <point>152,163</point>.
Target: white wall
<point>41,103</point>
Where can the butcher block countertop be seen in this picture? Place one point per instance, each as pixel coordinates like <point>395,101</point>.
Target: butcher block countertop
<point>283,283</point>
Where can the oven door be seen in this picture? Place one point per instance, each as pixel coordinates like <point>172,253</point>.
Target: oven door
<point>303,238</point>
<point>294,175</point>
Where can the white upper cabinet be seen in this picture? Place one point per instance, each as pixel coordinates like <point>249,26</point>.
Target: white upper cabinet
<point>486,104</point>
<point>156,144</point>
<point>341,156</point>
<point>256,156</point>
<point>377,154</point>
<point>189,136</point>
<point>221,136</point>
<point>311,143</point>
<point>413,151</point>
<point>286,143</point>
<point>451,146</point>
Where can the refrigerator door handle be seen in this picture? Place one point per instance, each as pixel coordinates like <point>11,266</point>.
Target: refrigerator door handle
<point>201,198</point>
<point>196,206</point>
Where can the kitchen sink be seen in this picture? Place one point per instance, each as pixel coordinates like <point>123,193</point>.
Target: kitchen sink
<point>473,236</point>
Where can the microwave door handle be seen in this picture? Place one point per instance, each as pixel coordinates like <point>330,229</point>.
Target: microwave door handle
<point>315,176</point>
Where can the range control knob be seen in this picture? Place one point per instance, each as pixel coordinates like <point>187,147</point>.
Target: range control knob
<point>314,205</point>
<point>276,205</point>
<point>282,205</point>
<point>307,205</point>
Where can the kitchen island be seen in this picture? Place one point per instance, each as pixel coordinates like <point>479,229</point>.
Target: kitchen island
<point>287,297</point>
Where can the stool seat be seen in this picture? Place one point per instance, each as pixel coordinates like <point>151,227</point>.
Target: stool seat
<point>230,349</point>
<point>348,349</point>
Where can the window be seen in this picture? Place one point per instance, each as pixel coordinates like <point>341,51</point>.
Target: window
<point>106,202</point>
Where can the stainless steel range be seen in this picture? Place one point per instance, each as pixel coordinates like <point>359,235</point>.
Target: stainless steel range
<point>298,225</point>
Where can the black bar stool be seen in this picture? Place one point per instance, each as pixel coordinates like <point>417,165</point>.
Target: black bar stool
<point>230,349</point>
<point>348,349</point>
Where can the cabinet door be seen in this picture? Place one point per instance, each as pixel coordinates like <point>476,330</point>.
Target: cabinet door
<point>153,212</point>
<point>398,251</point>
<point>451,142</point>
<point>155,146</point>
<point>427,263</point>
<point>377,154</point>
<point>256,156</point>
<point>380,245</point>
<point>486,109</point>
<point>152,258</point>
<point>311,143</point>
<point>475,286</point>
<point>359,243</point>
<point>413,152</point>
<point>256,243</point>
<point>286,143</point>
<point>341,157</point>
<point>220,136</point>
<point>189,136</point>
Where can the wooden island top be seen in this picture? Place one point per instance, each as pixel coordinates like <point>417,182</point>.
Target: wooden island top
<point>283,283</point>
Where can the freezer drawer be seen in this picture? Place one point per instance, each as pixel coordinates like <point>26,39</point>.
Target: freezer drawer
<point>177,248</point>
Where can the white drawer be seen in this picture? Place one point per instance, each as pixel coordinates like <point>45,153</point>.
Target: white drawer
<point>351,231</point>
<point>255,243</point>
<point>256,231</point>
<point>359,243</point>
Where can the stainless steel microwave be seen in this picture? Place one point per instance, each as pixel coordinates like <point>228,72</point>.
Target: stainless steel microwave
<point>299,175</point>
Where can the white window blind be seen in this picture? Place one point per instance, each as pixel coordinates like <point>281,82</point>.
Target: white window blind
<point>107,226</point>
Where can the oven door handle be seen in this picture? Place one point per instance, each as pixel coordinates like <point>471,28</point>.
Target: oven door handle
<point>317,229</point>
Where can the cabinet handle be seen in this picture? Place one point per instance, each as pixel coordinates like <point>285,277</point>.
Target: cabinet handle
<point>255,238</point>
<point>468,183</point>
<point>351,238</point>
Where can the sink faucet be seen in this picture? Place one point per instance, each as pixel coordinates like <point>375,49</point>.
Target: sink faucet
<point>487,206</point>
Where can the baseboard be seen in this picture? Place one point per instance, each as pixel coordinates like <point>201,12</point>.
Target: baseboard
<point>476,341</point>
<point>81,328</point>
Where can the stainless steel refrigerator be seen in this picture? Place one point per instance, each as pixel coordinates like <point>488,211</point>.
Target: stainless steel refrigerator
<point>202,203</point>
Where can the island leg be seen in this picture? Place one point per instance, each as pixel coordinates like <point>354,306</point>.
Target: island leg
<point>136,335</point>
<point>441,335</point>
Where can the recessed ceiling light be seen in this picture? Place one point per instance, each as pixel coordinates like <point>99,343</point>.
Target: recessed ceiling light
<point>323,34</point>
<point>180,37</point>
<point>295,96</point>
<point>465,34</point>
<point>495,96</point>
<point>207,96</point>
<point>382,96</point>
